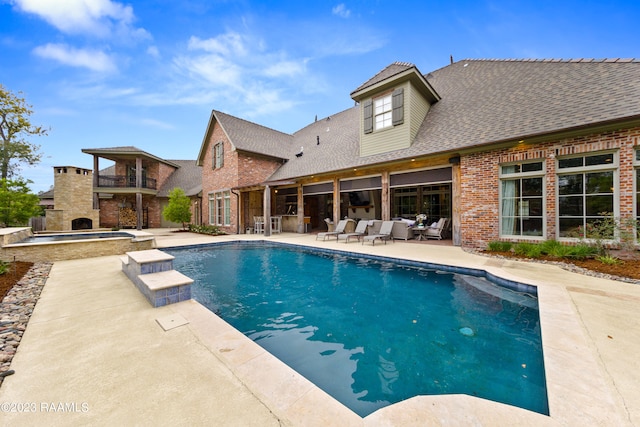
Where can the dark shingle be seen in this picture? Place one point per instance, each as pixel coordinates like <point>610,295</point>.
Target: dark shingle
<point>188,177</point>
<point>251,137</point>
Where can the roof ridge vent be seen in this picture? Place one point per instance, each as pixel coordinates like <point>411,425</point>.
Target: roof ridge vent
<point>404,64</point>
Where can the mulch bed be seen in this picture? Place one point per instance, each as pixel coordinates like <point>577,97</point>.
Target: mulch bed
<point>16,271</point>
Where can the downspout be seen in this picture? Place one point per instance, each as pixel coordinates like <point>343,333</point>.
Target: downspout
<point>237,210</point>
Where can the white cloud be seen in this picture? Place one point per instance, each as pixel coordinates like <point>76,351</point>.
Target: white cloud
<point>341,11</point>
<point>285,69</point>
<point>91,59</point>
<point>229,44</point>
<point>157,124</point>
<point>101,18</point>
<point>153,51</point>
<point>213,69</point>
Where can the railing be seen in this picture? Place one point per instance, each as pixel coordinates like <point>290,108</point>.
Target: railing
<point>123,181</point>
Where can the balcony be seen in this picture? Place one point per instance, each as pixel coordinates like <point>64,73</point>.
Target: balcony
<point>123,181</point>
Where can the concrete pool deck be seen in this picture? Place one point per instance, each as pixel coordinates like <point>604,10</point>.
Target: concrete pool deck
<point>96,352</point>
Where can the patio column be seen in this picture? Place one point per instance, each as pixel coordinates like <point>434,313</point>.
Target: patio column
<point>300,209</point>
<point>456,183</point>
<point>138,193</point>
<point>267,211</point>
<point>96,181</point>
<point>336,200</point>
<point>385,199</point>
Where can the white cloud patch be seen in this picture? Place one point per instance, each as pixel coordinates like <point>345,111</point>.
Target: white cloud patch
<point>236,68</point>
<point>341,11</point>
<point>229,44</point>
<point>100,18</point>
<point>153,51</point>
<point>158,124</point>
<point>92,59</point>
<point>285,69</point>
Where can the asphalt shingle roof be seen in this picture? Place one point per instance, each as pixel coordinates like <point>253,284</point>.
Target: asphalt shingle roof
<point>188,177</point>
<point>482,102</point>
<point>254,138</point>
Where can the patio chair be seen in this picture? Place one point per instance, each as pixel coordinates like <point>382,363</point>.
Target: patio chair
<point>384,234</point>
<point>330,224</point>
<point>258,222</point>
<point>361,230</point>
<point>435,232</point>
<point>339,230</point>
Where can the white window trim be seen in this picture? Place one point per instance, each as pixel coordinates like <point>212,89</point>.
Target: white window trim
<point>225,196</point>
<point>522,175</point>
<point>388,111</point>
<point>614,166</point>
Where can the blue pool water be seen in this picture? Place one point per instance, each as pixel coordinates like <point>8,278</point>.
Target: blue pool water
<point>374,332</point>
<point>74,236</point>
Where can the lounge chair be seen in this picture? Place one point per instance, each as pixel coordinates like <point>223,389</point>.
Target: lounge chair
<point>384,234</point>
<point>361,230</point>
<point>339,230</point>
<point>435,232</point>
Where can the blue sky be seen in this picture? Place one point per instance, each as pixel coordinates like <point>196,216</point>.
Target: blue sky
<point>106,73</point>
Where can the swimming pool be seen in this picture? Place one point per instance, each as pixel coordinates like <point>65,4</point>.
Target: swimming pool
<point>372,332</point>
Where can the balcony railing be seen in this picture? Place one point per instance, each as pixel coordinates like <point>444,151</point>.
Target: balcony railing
<point>123,181</point>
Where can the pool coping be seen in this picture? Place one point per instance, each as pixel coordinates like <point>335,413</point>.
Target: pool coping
<point>268,377</point>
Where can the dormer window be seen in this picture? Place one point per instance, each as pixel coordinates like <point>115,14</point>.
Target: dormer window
<point>382,111</point>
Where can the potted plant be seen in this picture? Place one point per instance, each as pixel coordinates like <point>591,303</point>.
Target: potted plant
<point>420,219</point>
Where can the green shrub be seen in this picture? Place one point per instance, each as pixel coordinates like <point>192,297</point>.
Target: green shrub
<point>556,249</point>
<point>608,259</point>
<point>4,267</point>
<point>213,230</point>
<point>582,251</point>
<point>529,250</point>
<point>496,246</point>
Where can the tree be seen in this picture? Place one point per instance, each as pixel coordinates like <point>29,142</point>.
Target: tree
<point>15,128</point>
<point>17,203</point>
<point>179,207</point>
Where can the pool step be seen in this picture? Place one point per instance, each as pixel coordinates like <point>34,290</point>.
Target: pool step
<point>153,274</point>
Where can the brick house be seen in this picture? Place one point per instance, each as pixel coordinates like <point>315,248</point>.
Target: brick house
<point>133,192</point>
<point>507,149</point>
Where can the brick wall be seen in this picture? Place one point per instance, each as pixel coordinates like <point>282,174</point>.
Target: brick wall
<point>239,169</point>
<point>480,210</point>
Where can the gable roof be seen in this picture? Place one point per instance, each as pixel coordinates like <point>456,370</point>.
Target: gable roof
<point>247,136</point>
<point>390,76</point>
<point>188,176</point>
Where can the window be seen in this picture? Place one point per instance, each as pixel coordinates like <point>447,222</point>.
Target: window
<point>585,193</point>
<point>521,199</point>
<point>382,112</point>
<point>220,208</point>
<point>405,202</point>
<point>217,158</point>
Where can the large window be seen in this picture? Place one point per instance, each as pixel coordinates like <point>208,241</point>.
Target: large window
<point>521,199</point>
<point>220,208</point>
<point>405,202</point>
<point>586,188</point>
<point>382,112</point>
<point>434,201</point>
